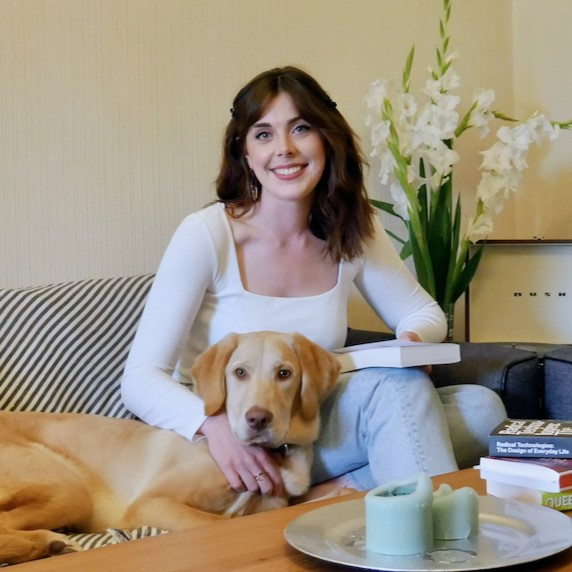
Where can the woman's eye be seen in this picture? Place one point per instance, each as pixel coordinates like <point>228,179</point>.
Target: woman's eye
<point>302,128</point>
<point>284,373</point>
<point>240,372</point>
<point>262,135</point>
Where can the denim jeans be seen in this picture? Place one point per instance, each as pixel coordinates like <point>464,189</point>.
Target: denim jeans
<point>384,424</point>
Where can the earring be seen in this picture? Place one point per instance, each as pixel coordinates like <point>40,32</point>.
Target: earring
<point>255,186</point>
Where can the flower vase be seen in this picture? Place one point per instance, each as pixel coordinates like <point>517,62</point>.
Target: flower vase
<point>450,316</point>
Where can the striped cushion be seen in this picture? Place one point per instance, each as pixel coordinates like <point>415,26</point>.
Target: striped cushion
<point>87,541</point>
<point>63,347</point>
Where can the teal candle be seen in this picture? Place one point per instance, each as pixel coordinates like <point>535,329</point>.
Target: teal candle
<point>399,518</point>
<point>455,513</point>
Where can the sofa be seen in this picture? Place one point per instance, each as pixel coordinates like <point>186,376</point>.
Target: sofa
<point>63,348</point>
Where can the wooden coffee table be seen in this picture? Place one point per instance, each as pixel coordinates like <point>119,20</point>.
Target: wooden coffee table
<point>250,544</point>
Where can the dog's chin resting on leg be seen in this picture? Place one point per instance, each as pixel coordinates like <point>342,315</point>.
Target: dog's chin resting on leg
<point>87,473</point>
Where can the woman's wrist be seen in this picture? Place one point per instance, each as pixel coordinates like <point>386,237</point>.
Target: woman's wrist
<point>410,336</point>
<point>211,425</point>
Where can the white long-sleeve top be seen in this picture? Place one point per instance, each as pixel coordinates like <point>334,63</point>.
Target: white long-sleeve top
<point>197,298</point>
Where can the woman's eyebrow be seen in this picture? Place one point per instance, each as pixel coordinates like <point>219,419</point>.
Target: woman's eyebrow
<point>266,124</point>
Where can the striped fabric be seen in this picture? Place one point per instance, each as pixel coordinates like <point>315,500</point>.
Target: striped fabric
<point>88,541</point>
<point>63,347</point>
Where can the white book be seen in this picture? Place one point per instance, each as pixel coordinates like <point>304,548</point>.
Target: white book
<point>550,475</point>
<point>560,500</point>
<point>396,353</point>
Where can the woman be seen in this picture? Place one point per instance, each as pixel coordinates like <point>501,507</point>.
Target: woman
<point>291,233</point>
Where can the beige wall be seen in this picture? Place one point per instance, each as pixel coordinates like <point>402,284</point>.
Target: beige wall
<point>111,111</point>
<point>543,81</point>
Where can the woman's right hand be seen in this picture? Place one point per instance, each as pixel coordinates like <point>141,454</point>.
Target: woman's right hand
<point>245,467</point>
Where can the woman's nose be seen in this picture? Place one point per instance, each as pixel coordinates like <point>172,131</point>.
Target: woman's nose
<point>285,145</point>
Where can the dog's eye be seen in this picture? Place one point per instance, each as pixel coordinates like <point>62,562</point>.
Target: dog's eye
<point>284,373</point>
<point>240,372</point>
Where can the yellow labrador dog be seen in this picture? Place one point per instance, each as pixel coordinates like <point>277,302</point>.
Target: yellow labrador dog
<point>88,473</point>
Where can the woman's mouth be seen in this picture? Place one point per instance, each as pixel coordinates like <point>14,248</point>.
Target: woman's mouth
<point>286,172</point>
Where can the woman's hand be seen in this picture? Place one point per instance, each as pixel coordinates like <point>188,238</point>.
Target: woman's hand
<point>410,337</point>
<point>245,467</point>
<point>413,337</point>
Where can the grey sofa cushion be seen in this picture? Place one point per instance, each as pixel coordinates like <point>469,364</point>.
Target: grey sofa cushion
<point>558,383</point>
<point>515,374</point>
<point>63,346</point>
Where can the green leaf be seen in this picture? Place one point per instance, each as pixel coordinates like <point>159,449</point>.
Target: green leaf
<point>397,238</point>
<point>385,206</point>
<point>447,9</point>
<point>406,80</point>
<point>504,117</point>
<point>464,123</point>
<point>446,45</point>
<point>439,59</point>
<point>421,261</point>
<point>406,251</point>
<point>467,274</point>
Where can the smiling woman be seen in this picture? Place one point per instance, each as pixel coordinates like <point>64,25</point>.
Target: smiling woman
<point>340,212</point>
<point>284,152</point>
<point>287,159</point>
<point>291,234</point>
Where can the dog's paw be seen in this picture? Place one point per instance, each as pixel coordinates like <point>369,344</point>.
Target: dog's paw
<point>326,490</point>
<point>62,545</point>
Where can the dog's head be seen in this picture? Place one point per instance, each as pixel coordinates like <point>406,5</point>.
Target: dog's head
<point>270,384</point>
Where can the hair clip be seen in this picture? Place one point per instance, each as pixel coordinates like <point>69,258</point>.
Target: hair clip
<point>233,112</point>
<point>331,104</point>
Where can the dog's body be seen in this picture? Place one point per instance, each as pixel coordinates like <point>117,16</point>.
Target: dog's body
<point>88,473</point>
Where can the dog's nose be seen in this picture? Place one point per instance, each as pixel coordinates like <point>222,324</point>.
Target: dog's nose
<point>258,418</point>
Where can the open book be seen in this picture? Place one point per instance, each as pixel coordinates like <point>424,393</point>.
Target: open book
<point>396,353</point>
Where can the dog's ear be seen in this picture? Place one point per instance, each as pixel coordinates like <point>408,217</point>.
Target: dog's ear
<point>320,372</point>
<point>208,373</point>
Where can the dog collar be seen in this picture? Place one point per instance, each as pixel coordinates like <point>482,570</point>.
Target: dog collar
<point>282,450</point>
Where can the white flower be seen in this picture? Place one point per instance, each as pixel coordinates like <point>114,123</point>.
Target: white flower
<point>387,165</point>
<point>406,109</point>
<point>518,138</point>
<point>541,127</point>
<point>479,228</point>
<point>377,93</point>
<point>400,201</point>
<point>447,82</point>
<point>435,122</point>
<point>494,189</point>
<point>379,134</point>
<point>497,158</point>
<point>442,158</point>
<point>414,175</point>
<point>482,115</point>
<point>444,115</point>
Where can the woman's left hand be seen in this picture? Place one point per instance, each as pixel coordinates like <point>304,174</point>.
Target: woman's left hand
<point>413,337</point>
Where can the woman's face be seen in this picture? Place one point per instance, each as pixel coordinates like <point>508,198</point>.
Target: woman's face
<point>285,152</point>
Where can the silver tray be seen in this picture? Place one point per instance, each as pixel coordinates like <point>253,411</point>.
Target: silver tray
<point>510,532</point>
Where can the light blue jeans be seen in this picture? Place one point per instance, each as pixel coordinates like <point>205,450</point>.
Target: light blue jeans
<point>384,424</point>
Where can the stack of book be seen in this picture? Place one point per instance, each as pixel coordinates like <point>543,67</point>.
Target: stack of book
<point>530,460</point>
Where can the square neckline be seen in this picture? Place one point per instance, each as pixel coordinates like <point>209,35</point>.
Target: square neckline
<point>236,268</point>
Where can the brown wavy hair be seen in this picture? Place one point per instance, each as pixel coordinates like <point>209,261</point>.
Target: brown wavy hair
<point>341,214</point>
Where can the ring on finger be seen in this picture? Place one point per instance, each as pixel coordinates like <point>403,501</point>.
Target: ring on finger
<point>260,477</point>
